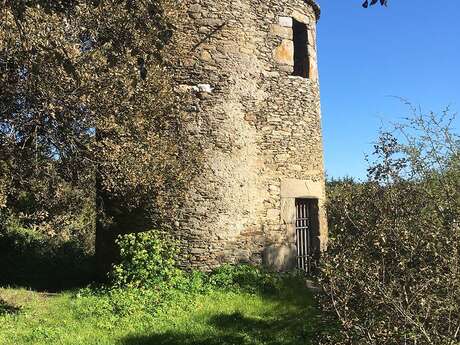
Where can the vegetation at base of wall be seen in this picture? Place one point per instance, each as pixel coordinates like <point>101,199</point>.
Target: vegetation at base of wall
<point>148,260</point>
<point>225,307</point>
<point>161,304</point>
<point>392,271</point>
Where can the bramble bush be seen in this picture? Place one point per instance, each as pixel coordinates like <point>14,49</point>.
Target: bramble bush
<point>392,271</point>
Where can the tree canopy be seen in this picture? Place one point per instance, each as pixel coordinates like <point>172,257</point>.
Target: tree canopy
<point>86,92</point>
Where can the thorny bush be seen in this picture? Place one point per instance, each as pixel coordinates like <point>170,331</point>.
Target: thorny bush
<point>392,271</point>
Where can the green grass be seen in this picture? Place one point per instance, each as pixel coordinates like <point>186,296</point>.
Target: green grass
<point>285,317</point>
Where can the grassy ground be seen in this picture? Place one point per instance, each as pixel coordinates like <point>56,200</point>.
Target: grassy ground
<point>286,317</point>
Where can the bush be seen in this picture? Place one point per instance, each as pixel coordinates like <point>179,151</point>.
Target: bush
<point>392,271</point>
<point>136,297</point>
<point>147,278</point>
<point>245,277</point>
<point>147,259</point>
<point>31,259</point>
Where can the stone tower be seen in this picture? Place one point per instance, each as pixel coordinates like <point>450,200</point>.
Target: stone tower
<point>251,72</point>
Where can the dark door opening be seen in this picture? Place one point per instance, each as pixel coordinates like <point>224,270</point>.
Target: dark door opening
<point>301,60</point>
<point>306,233</point>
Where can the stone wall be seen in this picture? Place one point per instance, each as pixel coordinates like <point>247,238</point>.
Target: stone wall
<point>259,127</point>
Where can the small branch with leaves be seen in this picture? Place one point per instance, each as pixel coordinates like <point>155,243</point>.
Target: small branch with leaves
<point>368,3</point>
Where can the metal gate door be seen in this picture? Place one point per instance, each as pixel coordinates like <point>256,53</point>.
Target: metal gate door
<point>303,234</point>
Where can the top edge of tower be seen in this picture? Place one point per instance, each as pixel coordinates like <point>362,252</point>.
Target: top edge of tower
<point>315,7</point>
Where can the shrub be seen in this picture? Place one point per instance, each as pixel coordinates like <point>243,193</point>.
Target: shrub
<point>147,259</point>
<point>32,259</point>
<point>392,271</point>
<point>245,277</point>
<point>147,278</point>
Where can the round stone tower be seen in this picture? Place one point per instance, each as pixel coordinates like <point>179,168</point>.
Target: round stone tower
<point>251,71</point>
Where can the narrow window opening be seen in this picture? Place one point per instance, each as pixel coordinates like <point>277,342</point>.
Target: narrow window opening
<point>300,38</point>
<point>307,229</point>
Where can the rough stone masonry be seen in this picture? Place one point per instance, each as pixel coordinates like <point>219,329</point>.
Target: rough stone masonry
<point>260,128</point>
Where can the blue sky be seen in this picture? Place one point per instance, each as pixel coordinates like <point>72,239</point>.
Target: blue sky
<point>410,49</point>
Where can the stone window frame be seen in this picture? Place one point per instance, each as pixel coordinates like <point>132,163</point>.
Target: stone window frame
<point>284,53</point>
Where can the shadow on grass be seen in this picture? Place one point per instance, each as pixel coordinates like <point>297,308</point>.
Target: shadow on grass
<point>186,339</point>
<point>297,323</point>
<point>6,308</point>
<point>236,329</point>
